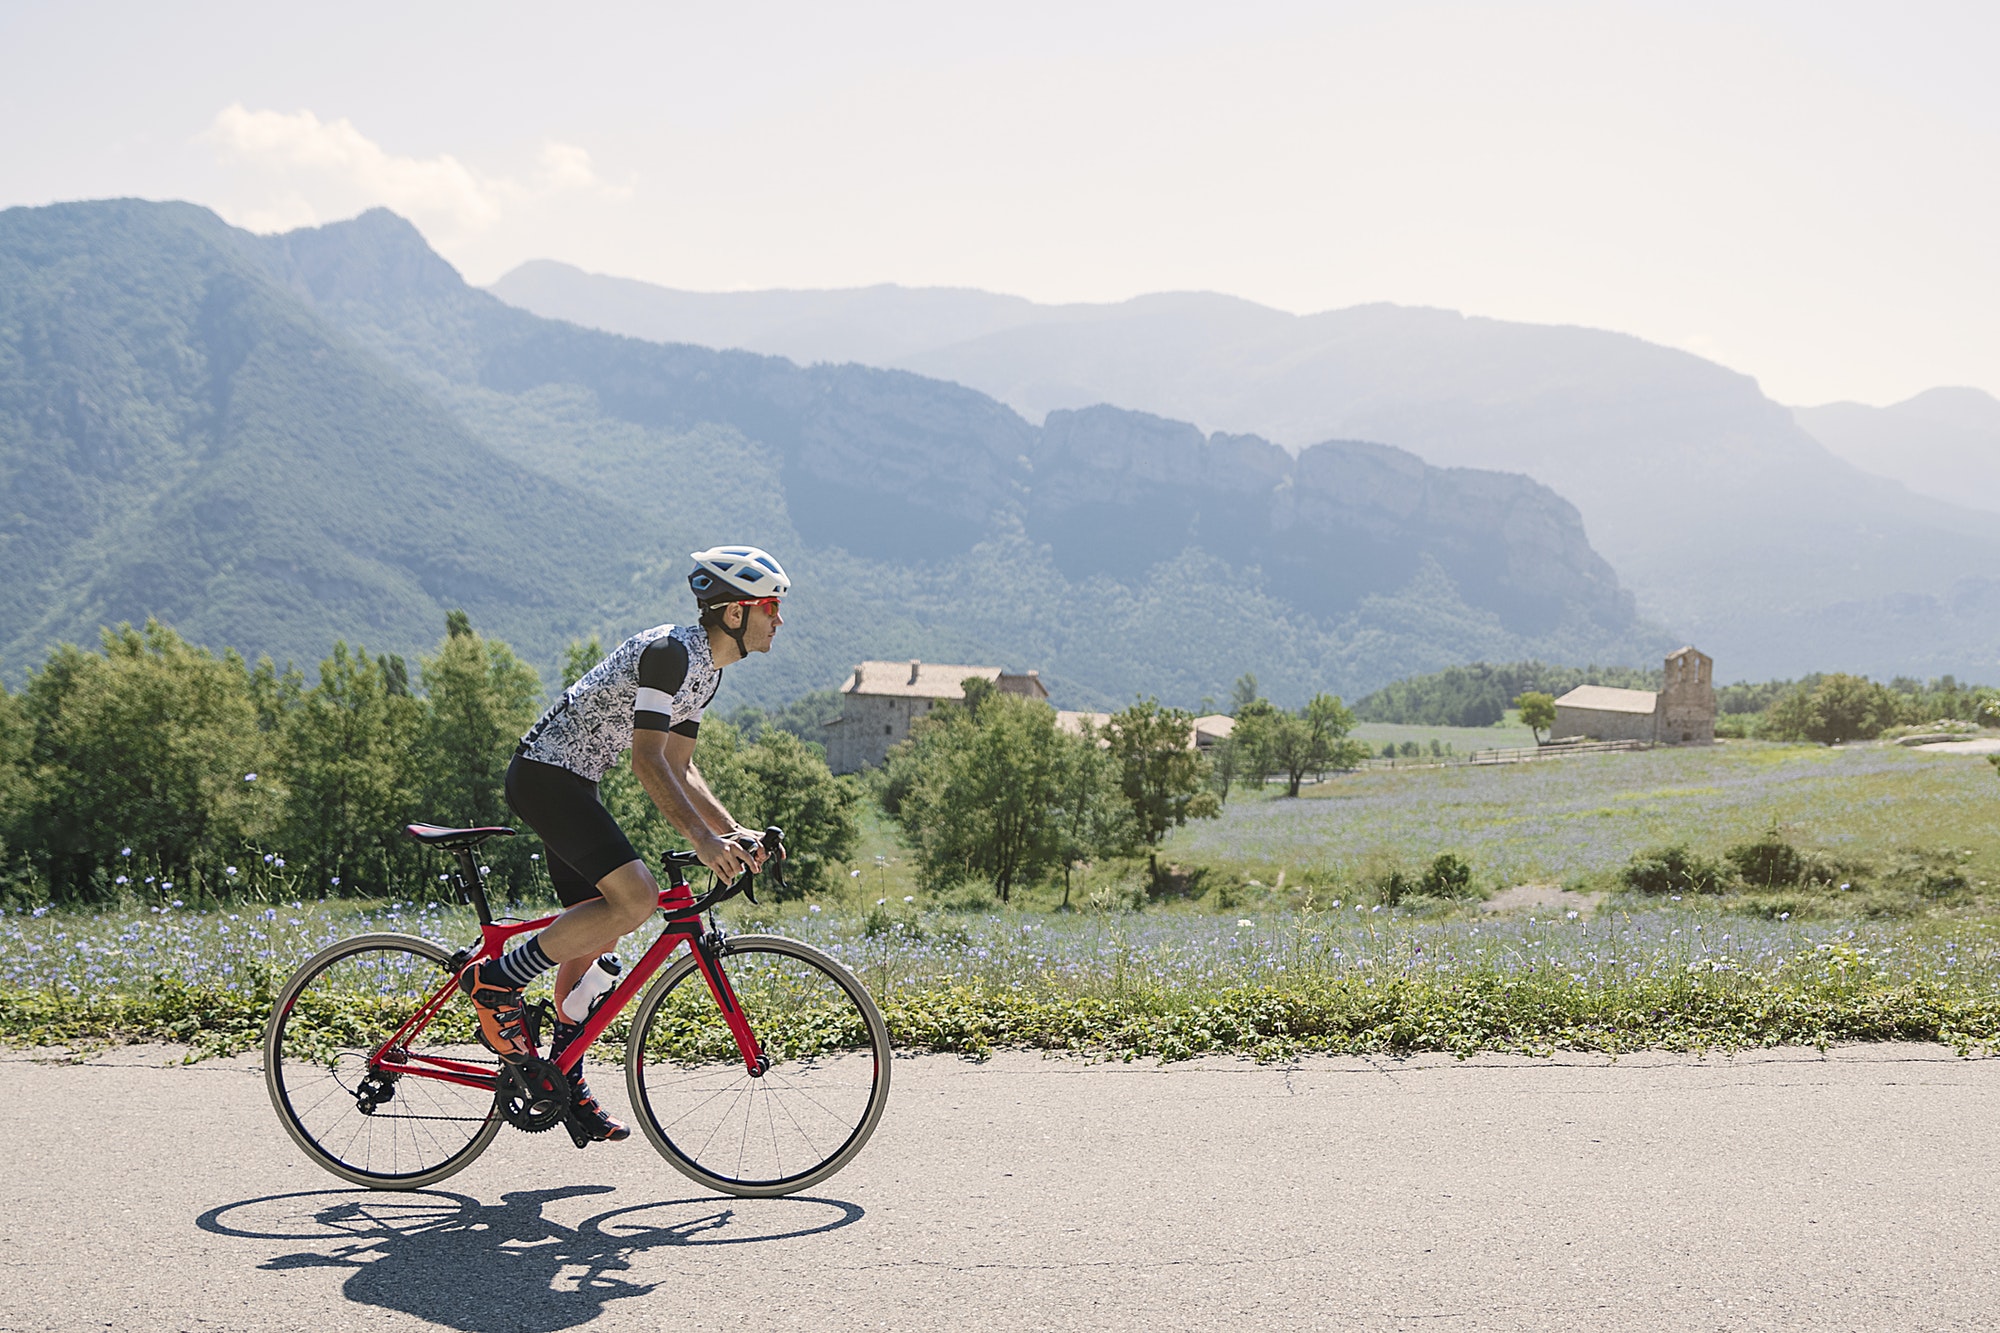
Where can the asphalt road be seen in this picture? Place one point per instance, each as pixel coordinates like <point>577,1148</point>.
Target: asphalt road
<point>1773,1190</point>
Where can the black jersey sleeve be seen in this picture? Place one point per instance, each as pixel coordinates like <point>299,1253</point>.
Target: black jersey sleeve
<point>663,669</point>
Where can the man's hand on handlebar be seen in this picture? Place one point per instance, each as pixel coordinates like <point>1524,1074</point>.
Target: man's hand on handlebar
<point>724,856</point>
<point>733,856</point>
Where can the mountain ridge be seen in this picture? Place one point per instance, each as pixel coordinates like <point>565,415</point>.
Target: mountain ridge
<point>401,443</point>
<point>1719,512</point>
<point>1943,443</point>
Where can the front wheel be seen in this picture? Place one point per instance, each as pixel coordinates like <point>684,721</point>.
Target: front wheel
<point>385,1127</point>
<point>806,1115</point>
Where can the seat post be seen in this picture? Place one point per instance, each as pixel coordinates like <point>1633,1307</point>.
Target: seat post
<point>470,885</point>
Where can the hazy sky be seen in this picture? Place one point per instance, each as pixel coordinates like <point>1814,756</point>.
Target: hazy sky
<point>1807,192</point>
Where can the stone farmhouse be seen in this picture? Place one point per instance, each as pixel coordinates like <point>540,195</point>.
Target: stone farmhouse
<point>1207,730</point>
<point>881,699</point>
<point>1683,713</point>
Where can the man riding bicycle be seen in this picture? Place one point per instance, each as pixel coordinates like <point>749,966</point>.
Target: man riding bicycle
<point>647,694</point>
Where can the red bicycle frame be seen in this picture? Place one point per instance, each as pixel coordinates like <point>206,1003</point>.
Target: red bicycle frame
<point>684,926</point>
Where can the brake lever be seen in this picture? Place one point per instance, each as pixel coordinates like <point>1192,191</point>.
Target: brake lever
<point>746,884</point>
<point>774,854</point>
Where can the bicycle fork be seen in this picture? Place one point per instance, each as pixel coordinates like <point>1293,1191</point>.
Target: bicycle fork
<point>708,957</point>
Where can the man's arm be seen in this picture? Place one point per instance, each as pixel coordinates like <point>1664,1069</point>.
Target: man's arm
<point>663,761</point>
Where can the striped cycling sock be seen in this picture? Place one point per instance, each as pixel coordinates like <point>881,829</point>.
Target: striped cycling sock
<point>518,968</point>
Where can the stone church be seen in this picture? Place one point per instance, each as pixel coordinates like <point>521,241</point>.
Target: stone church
<point>1682,713</point>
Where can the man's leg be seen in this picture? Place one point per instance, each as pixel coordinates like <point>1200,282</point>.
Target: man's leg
<point>628,895</point>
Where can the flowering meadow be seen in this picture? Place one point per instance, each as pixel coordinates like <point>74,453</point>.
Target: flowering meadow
<point>1321,965</point>
<point>1337,976</point>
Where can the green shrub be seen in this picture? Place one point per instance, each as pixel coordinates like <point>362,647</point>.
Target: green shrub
<point>1448,876</point>
<point>1395,887</point>
<point>1927,874</point>
<point>1768,863</point>
<point>1674,869</point>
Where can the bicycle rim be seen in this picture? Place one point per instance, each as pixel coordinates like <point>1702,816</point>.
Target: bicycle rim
<point>331,1016</point>
<point>806,1116</point>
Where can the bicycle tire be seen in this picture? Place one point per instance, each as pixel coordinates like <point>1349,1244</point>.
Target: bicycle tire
<point>333,1012</point>
<point>803,1119</point>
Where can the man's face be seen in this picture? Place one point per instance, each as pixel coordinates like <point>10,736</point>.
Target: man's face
<point>760,625</point>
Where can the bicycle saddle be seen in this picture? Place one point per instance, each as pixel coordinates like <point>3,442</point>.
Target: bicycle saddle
<point>433,835</point>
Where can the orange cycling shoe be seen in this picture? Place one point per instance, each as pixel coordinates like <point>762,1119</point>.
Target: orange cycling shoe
<point>503,1017</point>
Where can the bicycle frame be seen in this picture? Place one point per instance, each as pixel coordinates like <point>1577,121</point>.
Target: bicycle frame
<point>683,926</point>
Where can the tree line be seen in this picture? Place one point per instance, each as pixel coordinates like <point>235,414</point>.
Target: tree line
<point>156,766</point>
<point>158,763</point>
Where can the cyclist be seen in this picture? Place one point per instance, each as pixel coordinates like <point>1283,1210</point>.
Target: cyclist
<point>647,695</point>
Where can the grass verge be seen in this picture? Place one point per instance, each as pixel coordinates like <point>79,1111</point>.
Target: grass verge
<point>1463,1015</point>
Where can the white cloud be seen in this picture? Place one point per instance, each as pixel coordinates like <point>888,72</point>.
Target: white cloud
<point>310,168</point>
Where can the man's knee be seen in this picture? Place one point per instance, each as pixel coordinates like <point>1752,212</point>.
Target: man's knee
<point>631,893</point>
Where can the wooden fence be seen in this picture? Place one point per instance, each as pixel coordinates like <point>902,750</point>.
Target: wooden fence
<point>1526,754</point>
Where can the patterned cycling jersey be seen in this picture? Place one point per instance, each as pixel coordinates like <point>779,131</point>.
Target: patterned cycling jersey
<point>658,680</point>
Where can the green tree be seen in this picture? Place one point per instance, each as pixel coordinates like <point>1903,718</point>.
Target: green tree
<point>1243,694</point>
<point>1538,712</point>
<point>1091,815</point>
<point>153,745</point>
<point>1249,741</point>
<point>1312,740</point>
<point>16,741</point>
<point>1832,709</point>
<point>980,787</point>
<point>780,779</point>
<point>1159,771</point>
<point>346,758</point>
<point>578,658</point>
<point>1223,763</point>
<point>481,698</point>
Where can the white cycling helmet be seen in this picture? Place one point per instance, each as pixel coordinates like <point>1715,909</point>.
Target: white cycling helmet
<point>736,574</point>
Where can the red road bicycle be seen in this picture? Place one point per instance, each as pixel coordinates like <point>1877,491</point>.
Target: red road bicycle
<point>757,1065</point>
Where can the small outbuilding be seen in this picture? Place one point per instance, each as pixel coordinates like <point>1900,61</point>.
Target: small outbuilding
<point>1682,713</point>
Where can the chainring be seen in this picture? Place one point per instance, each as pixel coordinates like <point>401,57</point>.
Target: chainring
<point>533,1095</point>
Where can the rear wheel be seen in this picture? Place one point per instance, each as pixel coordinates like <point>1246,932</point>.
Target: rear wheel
<point>384,1127</point>
<point>806,1115</point>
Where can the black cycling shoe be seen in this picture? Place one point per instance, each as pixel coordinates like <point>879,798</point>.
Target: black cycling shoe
<point>587,1121</point>
<point>559,1039</point>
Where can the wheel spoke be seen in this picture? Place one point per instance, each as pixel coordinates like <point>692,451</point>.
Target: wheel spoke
<point>333,1013</point>
<point>805,1116</point>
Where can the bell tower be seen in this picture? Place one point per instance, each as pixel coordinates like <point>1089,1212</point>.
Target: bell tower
<point>1686,711</point>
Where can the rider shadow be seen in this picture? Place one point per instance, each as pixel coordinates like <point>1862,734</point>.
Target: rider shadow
<point>484,1268</point>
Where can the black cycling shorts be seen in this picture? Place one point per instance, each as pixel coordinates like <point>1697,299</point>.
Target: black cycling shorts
<point>581,840</point>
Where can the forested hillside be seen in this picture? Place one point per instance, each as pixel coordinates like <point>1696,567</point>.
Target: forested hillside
<point>277,442</point>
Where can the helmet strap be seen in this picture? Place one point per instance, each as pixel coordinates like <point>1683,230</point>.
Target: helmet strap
<point>737,633</point>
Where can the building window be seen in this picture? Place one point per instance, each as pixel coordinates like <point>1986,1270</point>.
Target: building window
<point>888,729</point>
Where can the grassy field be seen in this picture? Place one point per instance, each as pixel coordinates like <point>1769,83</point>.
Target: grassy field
<point>1463,740</point>
<point>1576,821</point>
<point>1286,947</point>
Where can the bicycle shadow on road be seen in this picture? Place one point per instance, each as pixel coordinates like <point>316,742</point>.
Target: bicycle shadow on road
<point>478,1267</point>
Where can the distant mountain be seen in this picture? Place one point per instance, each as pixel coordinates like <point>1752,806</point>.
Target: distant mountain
<point>1724,517</point>
<point>1345,561</point>
<point>1943,443</point>
<point>180,436</point>
<point>270,442</point>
